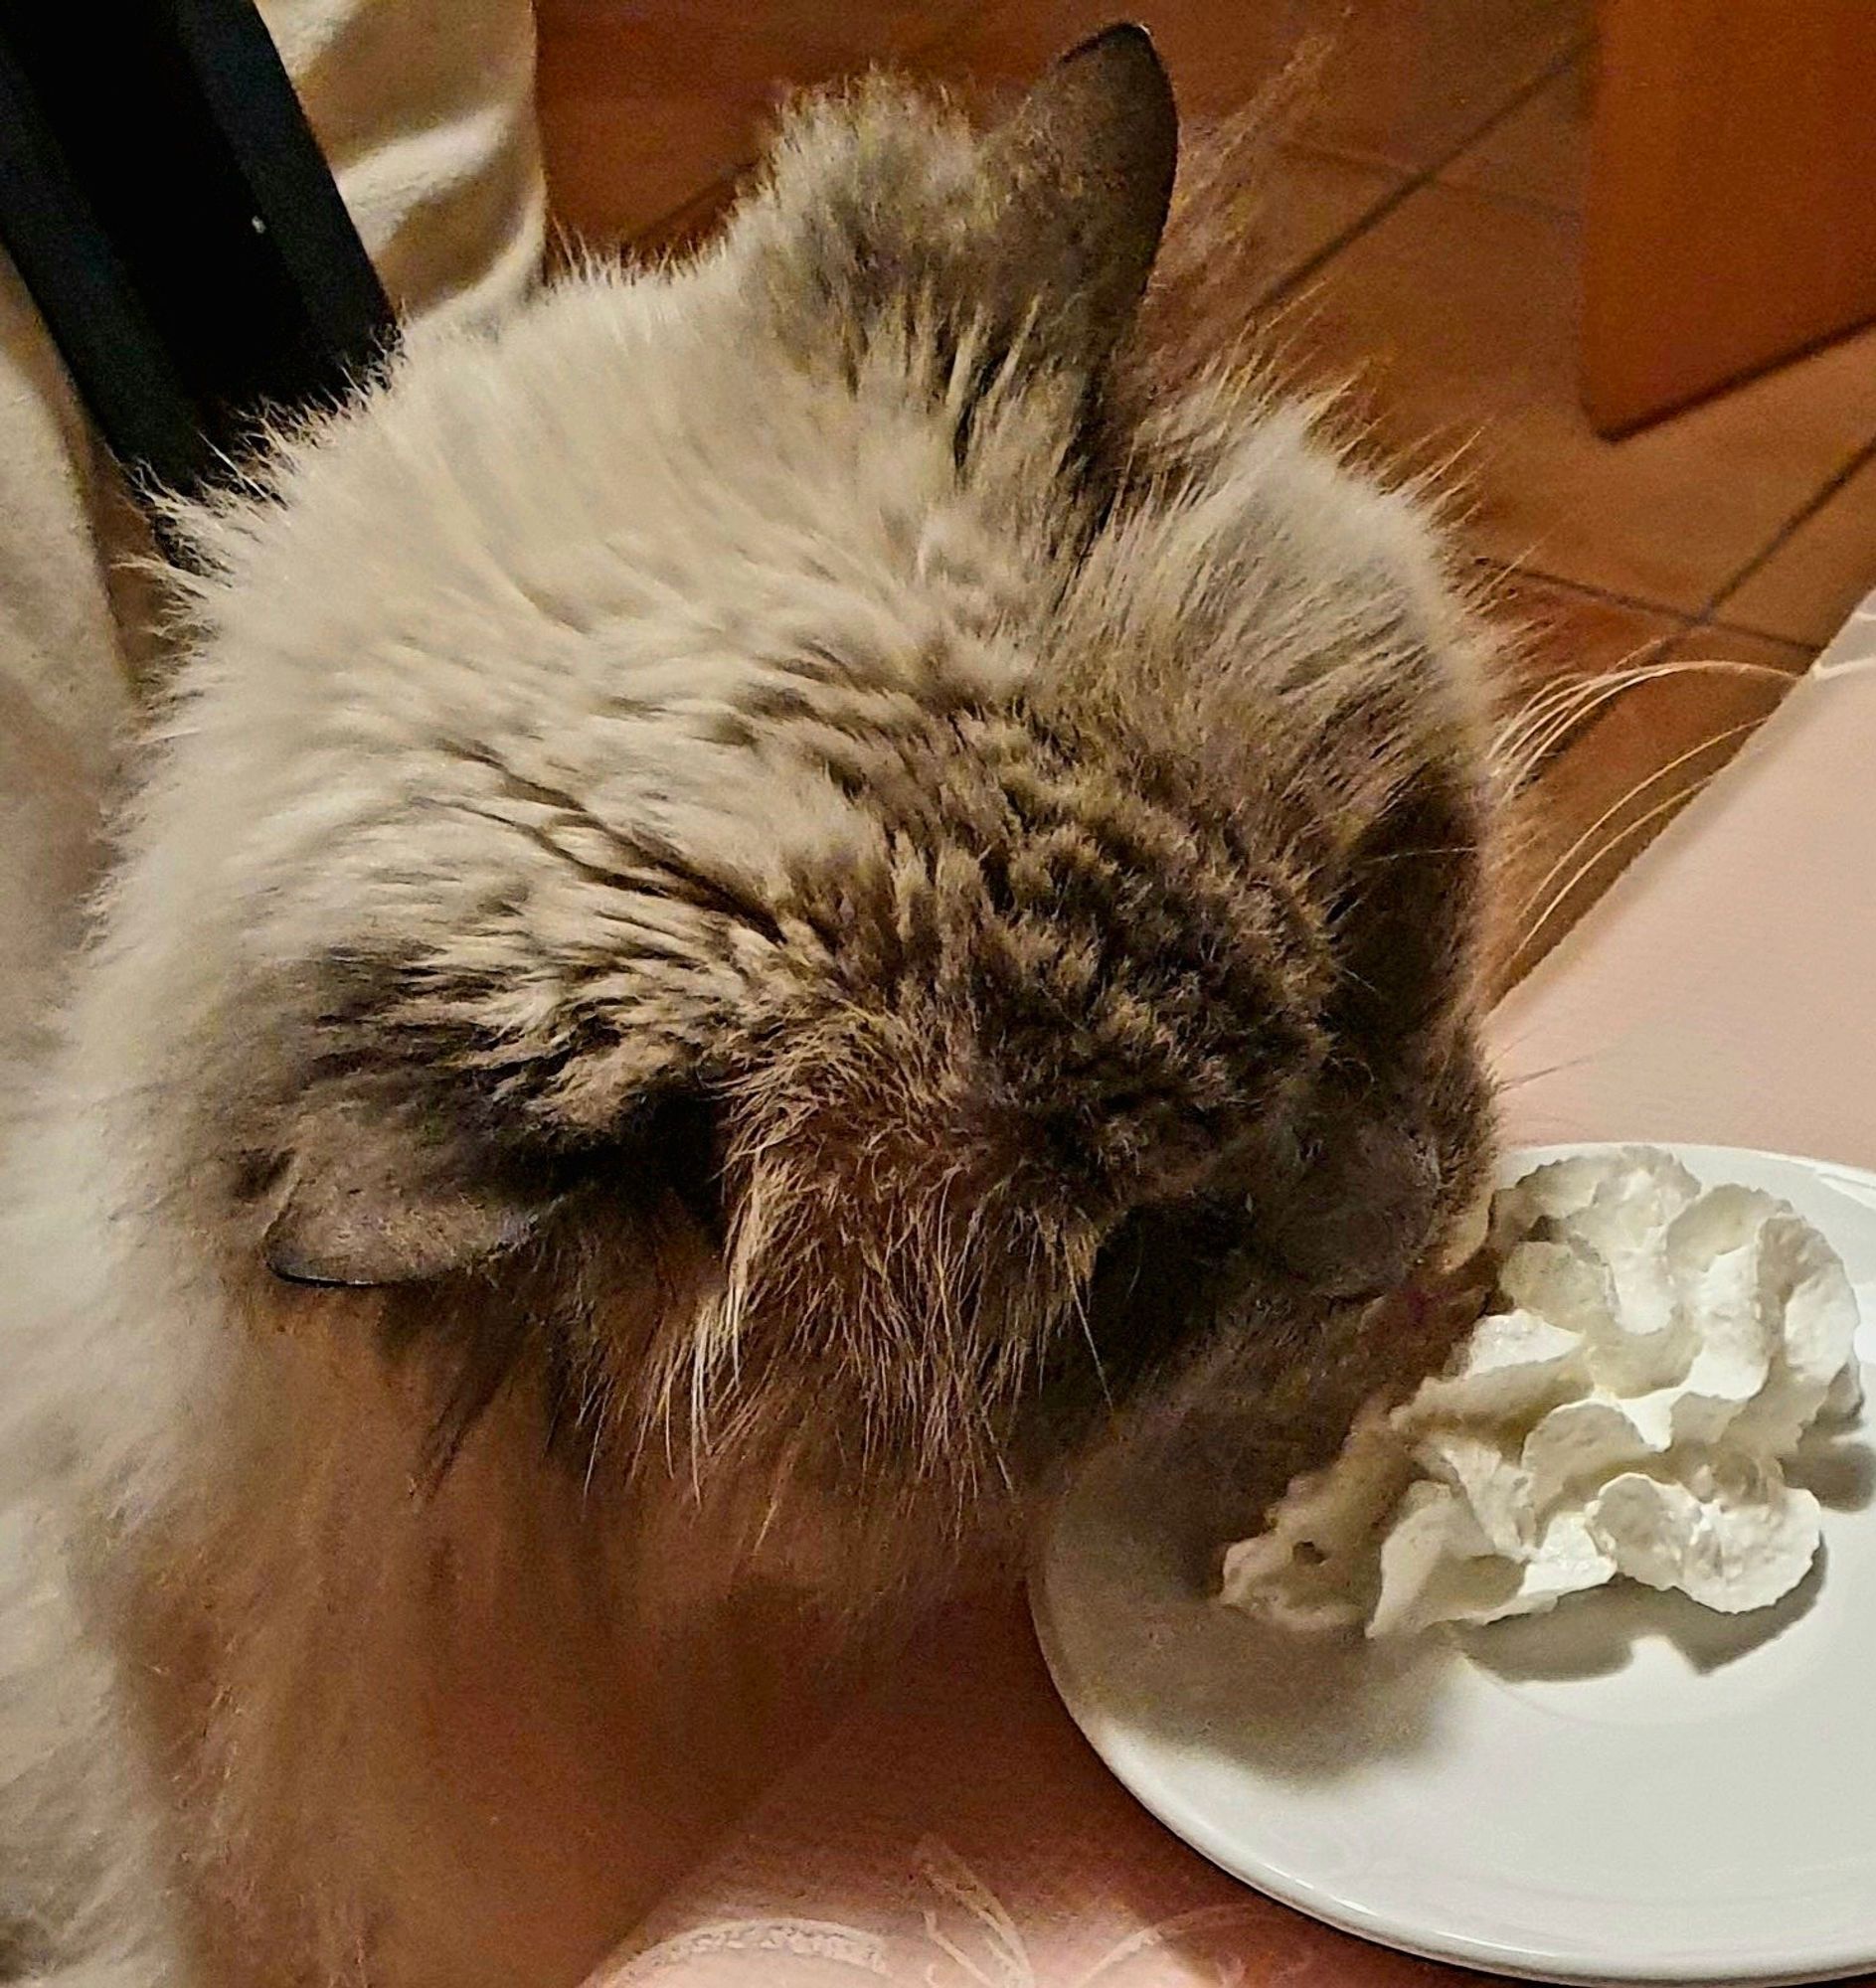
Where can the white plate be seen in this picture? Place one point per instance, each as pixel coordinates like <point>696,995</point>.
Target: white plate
<point>1630,1789</point>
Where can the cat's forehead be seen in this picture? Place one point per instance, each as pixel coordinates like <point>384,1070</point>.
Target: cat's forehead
<point>504,637</point>
<point>999,939</point>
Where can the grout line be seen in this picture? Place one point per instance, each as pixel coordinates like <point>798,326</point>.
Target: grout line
<point>1554,210</point>
<point>1688,621</point>
<point>1595,590</point>
<point>1424,176</point>
<point>1860,460</point>
<point>724,181</point>
<point>1721,627</point>
<point>1343,156</point>
<point>1809,650</point>
<point>1313,262</point>
<point>1673,642</point>
<point>891,55</point>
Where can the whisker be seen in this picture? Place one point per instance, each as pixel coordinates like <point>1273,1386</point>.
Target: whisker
<point>1559,697</point>
<point>1558,708</point>
<point>1633,792</point>
<point>1502,1084</point>
<point>1583,696</point>
<point>995,1445</point>
<point>1622,835</point>
<point>1093,1352</point>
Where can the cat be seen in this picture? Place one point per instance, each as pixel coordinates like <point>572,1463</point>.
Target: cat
<point>766,897</point>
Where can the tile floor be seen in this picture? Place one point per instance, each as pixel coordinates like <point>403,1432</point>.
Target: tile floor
<point>1427,219</point>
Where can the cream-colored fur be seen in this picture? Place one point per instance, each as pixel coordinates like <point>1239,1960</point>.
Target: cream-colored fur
<point>596,664</point>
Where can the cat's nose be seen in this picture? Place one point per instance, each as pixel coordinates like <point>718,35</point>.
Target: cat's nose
<point>1361,1219</point>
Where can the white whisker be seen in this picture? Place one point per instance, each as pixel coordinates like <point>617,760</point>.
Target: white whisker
<point>1624,834</point>
<point>1631,793</point>
<point>1562,707</point>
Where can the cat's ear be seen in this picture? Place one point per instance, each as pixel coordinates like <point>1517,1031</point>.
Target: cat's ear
<point>368,1189</point>
<point>1081,179</point>
<point>368,1196</point>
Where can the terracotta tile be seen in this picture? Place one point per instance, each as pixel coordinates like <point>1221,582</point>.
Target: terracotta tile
<point>1606,796</point>
<point>1413,78</point>
<point>1219,55</point>
<point>605,182</point>
<point>636,150</point>
<point>1316,198</point>
<point>1806,588</point>
<point>687,227</point>
<point>1405,80</point>
<point>1457,312</point>
<point>643,105</point>
<point>1548,632</point>
<point>1541,151</point>
<point>1553,629</point>
<point>1573,813</point>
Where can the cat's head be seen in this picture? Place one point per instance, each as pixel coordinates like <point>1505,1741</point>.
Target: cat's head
<point>802,871</point>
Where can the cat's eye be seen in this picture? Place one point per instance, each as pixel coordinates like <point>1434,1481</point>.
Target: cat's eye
<point>1155,1276</point>
<point>681,1137</point>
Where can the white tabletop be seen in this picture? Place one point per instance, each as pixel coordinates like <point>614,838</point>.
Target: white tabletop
<point>1725,989</point>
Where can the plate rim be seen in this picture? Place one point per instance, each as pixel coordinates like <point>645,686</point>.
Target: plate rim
<point>1533,1962</point>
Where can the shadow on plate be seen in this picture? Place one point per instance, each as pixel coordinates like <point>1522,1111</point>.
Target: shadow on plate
<point>1839,1472</point>
<point>1127,1581</point>
<point>1127,1586</point>
<point>1594,1635</point>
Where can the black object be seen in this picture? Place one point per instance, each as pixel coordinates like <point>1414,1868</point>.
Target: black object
<point>173,218</point>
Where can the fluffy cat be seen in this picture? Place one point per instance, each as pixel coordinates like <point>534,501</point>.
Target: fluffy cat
<point>763,895</point>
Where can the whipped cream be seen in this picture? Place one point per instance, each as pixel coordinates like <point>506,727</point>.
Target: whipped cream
<point>1656,1351</point>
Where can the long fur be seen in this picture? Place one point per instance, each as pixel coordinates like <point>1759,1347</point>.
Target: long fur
<point>774,821</point>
